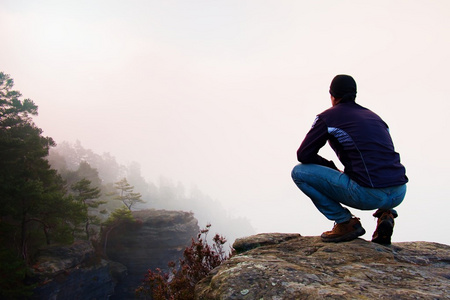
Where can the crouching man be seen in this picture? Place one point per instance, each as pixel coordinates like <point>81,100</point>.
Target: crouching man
<point>373,177</point>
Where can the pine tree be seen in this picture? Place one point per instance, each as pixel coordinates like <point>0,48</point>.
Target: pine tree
<point>126,194</point>
<point>33,205</point>
<point>88,196</point>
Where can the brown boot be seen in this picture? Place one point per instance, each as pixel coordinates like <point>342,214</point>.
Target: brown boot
<point>385,226</point>
<point>345,231</point>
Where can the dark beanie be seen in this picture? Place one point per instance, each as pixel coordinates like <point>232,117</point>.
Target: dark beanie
<point>343,87</point>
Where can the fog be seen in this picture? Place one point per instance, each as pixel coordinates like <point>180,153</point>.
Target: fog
<point>218,95</point>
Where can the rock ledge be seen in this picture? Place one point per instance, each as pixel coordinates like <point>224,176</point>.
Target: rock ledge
<point>287,266</point>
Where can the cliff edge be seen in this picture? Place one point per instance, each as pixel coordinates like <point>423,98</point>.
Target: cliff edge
<point>290,266</point>
<point>76,272</point>
<point>161,237</point>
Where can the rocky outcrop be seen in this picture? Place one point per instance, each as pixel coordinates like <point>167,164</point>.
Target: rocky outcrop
<point>159,237</point>
<point>289,266</point>
<point>73,272</point>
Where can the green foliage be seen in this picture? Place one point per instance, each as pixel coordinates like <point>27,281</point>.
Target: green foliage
<point>84,171</point>
<point>34,207</point>
<point>32,195</point>
<point>86,194</point>
<point>12,276</point>
<point>13,270</point>
<point>87,197</point>
<point>179,284</point>
<point>118,217</point>
<point>13,111</point>
<point>126,194</point>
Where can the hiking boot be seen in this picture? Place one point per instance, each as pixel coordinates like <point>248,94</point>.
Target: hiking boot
<point>345,231</point>
<point>385,226</point>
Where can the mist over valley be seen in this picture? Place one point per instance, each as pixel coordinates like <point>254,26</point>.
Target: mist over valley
<point>75,162</point>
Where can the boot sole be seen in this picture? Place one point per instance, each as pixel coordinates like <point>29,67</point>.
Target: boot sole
<point>345,238</point>
<point>385,229</point>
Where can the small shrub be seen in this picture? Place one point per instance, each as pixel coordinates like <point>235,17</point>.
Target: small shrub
<point>179,283</point>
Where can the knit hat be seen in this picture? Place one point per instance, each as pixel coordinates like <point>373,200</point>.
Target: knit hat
<point>343,87</point>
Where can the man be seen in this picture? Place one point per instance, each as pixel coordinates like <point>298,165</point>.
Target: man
<point>373,177</point>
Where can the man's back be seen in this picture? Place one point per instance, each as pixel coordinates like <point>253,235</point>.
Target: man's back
<point>363,144</point>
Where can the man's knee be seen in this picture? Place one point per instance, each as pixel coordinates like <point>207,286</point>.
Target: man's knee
<point>297,173</point>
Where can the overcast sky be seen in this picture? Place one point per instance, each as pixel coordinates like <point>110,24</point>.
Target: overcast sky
<point>220,94</point>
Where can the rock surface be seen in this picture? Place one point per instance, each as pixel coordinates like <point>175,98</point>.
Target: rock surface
<point>160,237</point>
<point>72,272</point>
<point>75,272</point>
<point>289,266</point>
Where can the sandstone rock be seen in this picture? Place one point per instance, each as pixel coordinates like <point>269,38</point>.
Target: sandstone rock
<point>264,239</point>
<point>72,272</point>
<point>75,272</point>
<point>286,266</point>
<point>160,237</point>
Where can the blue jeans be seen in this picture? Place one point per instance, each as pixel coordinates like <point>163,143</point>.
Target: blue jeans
<point>328,188</point>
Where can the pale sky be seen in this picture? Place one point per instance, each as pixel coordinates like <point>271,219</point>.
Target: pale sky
<point>220,94</point>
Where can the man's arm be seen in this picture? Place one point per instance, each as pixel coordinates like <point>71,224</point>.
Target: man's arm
<point>314,140</point>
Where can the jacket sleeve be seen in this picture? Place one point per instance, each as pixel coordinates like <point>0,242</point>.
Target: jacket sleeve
<point>314,140</point>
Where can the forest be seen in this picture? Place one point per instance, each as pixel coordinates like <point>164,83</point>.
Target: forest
<point>57,194</point>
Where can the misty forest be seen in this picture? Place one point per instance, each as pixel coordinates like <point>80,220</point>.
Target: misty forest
<point>58,193</point>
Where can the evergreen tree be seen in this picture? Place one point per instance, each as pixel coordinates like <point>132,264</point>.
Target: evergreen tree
<point>33,205</point>
<point>126,194</point>
<point>88,196</point>
<point>84,171</point>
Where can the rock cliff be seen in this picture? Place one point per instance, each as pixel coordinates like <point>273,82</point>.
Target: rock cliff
<point>160,237</point>
<point>289,266</point>
<point>73,272</point>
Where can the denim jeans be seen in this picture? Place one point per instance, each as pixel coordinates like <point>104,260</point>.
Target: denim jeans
<point>328,188</point>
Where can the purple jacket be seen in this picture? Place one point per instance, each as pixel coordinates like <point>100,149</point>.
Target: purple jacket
<point>362,143</point>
